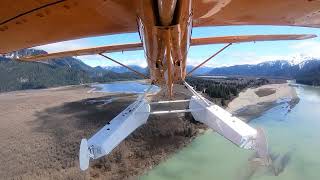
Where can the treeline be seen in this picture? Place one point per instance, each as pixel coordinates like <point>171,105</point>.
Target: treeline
<point>222,90</point>
<point>15,75</point>
<point>309,77</point>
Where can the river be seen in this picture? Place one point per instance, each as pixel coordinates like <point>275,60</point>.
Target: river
<point>125,87</point>
<point>294,140</point>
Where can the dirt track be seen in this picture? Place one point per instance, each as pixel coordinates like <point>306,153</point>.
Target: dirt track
<point>41,130</point>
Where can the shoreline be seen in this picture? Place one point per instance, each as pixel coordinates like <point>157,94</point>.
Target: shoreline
<point>249,105</point>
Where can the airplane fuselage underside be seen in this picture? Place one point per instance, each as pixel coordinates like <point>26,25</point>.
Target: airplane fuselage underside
<point>165,31</point>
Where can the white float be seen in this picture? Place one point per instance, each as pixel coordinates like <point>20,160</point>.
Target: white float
<point>107,138</point>
<point>223,123</point>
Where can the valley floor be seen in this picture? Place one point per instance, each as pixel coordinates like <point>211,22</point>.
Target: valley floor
<point>40,131</point>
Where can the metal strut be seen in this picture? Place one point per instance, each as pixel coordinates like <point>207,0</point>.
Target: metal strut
<point>138,73</point>
<point>195,68</point>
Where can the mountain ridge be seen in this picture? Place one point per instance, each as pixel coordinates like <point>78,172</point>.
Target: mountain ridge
<point>18,75</point>
<point>120,69</point>
<point>305,72</point>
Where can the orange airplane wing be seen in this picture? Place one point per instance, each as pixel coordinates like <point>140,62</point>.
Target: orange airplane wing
<point>31,23</point>
<point>88,51</point>
<point>249,38</point>
<point>194,42</point>
<point>257,12</point>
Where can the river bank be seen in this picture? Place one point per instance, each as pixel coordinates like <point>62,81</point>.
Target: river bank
<point>252,102</point>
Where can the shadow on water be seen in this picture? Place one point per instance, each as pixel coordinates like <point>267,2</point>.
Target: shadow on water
<point>278,164</point>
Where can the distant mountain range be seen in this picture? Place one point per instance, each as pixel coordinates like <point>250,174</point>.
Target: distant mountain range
<point>15,75</point>
<point>306,72</point>
<point>120,69</point>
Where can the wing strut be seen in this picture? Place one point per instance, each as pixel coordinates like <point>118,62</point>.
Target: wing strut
<point>138,73</point>
<point>215,54</point>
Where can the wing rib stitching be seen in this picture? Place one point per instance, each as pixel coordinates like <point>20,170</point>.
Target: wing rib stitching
<point>33,10</point>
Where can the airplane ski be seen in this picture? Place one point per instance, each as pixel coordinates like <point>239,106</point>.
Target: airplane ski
<point>107,138</point>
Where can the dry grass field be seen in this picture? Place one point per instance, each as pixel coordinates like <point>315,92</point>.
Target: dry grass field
<point>40,133</point>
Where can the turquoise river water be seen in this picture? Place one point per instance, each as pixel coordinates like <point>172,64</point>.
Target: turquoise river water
<point>294,140</point>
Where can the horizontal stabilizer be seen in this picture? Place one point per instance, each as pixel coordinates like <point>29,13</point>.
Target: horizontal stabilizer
<point>249,38</point>
<point>88,51</point>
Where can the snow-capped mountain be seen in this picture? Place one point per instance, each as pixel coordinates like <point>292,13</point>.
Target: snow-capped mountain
<point>24,52</point>
<point>298,68</point>
<point>120,69</point>
<point>297,59</point>
<point>305,69</point>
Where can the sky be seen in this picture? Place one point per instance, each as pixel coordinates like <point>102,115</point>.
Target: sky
<point>240,53</point>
